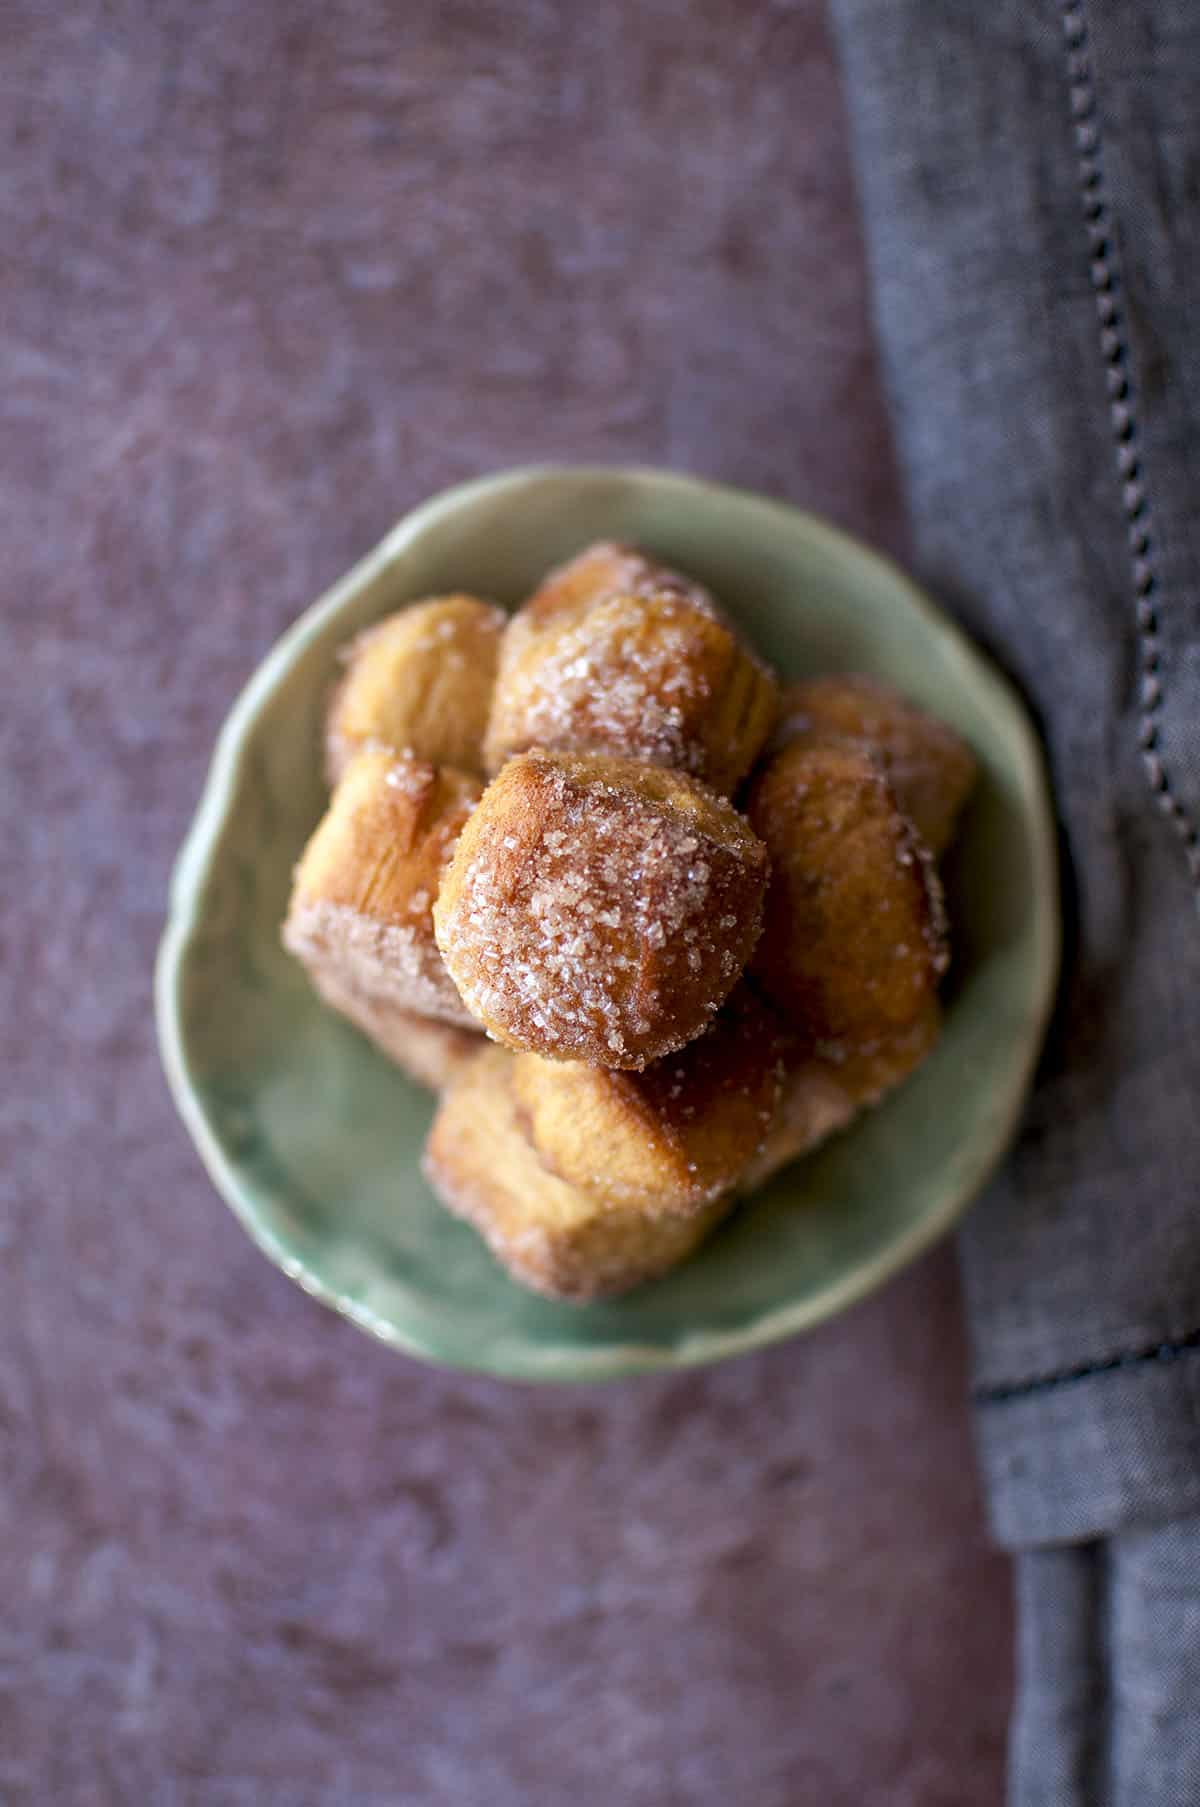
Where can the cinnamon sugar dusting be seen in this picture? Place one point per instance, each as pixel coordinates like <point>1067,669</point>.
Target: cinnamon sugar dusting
<point>616,655</point>
<point>609,683</point>
<point>600,938</point>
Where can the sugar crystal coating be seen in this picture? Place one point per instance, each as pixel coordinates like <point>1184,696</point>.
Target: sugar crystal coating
<point>599,935</point>
<point>361,914</point>
<point>616,655</point>
<point>418,682</point>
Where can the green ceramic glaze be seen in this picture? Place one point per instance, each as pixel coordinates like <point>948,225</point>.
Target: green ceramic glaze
<point>314,1139</point>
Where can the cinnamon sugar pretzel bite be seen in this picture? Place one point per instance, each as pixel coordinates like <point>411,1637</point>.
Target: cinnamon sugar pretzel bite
<point>854,940</point>
<point>671,1138</point>
<point>599,909</point>
<point>616,655</point>
<point>361,915</point>
<point>419,682</point>
<point>930,767</point>
<point>549,1234</point>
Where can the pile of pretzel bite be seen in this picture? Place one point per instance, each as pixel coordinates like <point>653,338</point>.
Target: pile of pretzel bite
<point>650,925</point>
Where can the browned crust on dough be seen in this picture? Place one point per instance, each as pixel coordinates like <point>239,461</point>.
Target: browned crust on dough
<point>362,902</point>
<point>599,909</point>
<point>607,568</point>
<point>548,1235</point>
<point>671,1138</point>
<point>819,1097</point>
<point>929,766</point>
<point>617,655</point>
<point>853,941</point>
<point>419,682</point>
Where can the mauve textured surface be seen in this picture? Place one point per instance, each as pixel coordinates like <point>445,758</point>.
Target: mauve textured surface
<point>272,275</point>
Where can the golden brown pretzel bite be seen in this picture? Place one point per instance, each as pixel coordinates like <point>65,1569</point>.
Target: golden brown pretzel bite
<point>419,682</point>
<point>362,900</point>
<point>670,1138</point>
<point>548,1234</point>
<point>616,656</point>
<point>599,909</point>
<point>929,766</point>
<point>853,940</point>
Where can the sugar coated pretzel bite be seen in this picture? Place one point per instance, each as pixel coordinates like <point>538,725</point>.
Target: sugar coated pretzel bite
<point>615,655</point>
<point>599,909</point>
<point>605,568</point>
<point>361,914</point>
<point>419,682</point>
<point>929,766</point>
<point>671,1138</point>
<point>853,940</point>
<point>550,1235</point>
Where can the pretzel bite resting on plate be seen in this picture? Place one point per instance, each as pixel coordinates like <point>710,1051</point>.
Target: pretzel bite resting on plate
<point>419,682</point>
<point>550,1235</point>
<point>605,568</point>
<point>670,1138</point>
<point>599,909</point>
<point>929,766</point>
<point>616,656</point>
<point>853,941</point>
<point>361,914</point>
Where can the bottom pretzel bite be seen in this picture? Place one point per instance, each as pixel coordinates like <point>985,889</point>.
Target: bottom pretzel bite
<point>550,1235</point>
<point>669,1139</point>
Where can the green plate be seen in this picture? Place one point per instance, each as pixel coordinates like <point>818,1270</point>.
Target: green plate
<point>314,1139</point>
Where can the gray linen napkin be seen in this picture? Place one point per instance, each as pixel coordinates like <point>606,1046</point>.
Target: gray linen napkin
<point>1030,179</point>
